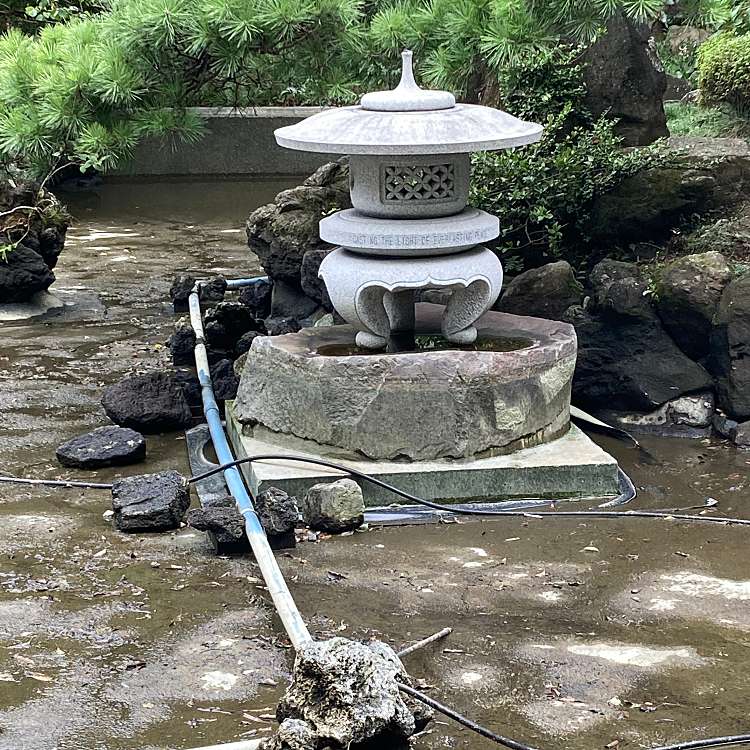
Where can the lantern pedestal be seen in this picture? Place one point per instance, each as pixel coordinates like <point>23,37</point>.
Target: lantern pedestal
<point>376,295</point>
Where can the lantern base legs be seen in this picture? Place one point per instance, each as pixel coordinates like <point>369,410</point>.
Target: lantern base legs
<point>376,295</point>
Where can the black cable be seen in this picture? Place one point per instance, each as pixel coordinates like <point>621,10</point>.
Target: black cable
<point>733,739</point>
<point>463,720</point>
<point>57,483</point>
<point>469,511</point>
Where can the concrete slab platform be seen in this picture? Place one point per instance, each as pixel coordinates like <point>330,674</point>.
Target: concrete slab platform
<point>572,466</point>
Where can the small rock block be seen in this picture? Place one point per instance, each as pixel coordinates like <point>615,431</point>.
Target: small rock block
<point>150,502</point>
<point>105,446</point>
<point>334,506</point>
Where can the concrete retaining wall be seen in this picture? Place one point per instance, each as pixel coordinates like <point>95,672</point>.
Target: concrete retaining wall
<point>238,142</point>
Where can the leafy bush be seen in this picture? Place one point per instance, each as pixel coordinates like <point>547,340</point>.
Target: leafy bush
<point>724,70</point>
<point>543,193</point>
<point>684,118</point>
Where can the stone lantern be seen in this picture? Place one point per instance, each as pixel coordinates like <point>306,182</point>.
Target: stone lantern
<point>410,228</point>
<point>453,421</point>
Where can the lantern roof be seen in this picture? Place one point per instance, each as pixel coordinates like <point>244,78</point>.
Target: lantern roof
<point>408,120</point>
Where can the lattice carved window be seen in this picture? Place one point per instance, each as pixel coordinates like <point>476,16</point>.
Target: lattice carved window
<point>409,183</point>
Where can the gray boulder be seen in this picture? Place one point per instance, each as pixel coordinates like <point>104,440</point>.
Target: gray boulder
<point>545,292</point>
<point>150,502</point>
<point>689,292</point>
<point>626,360</point>
<point>347,692</point>
<point>702,174</point>
<point>730,349</point>
<point>625,80</point>
<point>280,233</point>
<point>149,403</point>
<point>334,506</point>
<point>105,446</point>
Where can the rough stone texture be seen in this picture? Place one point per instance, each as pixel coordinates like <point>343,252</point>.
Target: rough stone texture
<point>289,301</point>
<point>723,425</point>
<point>313,286</point>
<point>188,381</point>
<point>27,269</point>
<point>213,291</point>
<point>148,403</point>
<point>347,692</point>
<point>280,233</point>
<point>179,292</point>
<point>545,292</point>
<point>224,380</point>
<point>730,349</point>
<point>225,323</point>
<point>334,506</point>
<point>182,343</point>
<point>688,296</point>
<point>223,520</point>
<point>150,502</point>
<point>618,340</point>
<point>23,273</point>
<point>258,298</point>
<point>624,78</point>
<point>281,326</point>
<point>419,405</point>
<point>741,435</point>
<point>105,446</point>
<point>244,343</point>
<point>279,515</point>
<point>704,173</point>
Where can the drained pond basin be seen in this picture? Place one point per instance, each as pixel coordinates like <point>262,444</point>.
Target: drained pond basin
<point>567,633</point>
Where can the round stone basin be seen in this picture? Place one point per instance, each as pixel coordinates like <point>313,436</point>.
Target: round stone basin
<point>510,391</point>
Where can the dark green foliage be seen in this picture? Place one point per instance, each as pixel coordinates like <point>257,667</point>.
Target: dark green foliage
<point>543,193</point>
<point>724,70</point>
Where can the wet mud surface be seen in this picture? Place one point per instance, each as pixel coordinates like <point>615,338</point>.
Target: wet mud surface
<point>567,633</point>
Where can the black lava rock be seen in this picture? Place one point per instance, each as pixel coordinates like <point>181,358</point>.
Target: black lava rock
<point>23,273</point>
<point>150,502</point>
<point>105,446</point>
<point>257,297</point>
<point>191,387</point>
<point>212,292</point>
<point>280,326</point>
<point>180,290</point>
<point>182,343</point>
<point>289,301</point>
<point>224,380</point>
<point>148,403</point>
<point>227,322</point>
<point>279,514</point>
<point>312,285</point>
<point>222,520</point>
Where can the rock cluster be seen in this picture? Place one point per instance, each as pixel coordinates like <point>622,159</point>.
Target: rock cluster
<point>28,269</point>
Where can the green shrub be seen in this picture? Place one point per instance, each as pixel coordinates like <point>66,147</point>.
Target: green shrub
<point>688,119</point>
<point>724,70</point>
<point>543,193</point>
